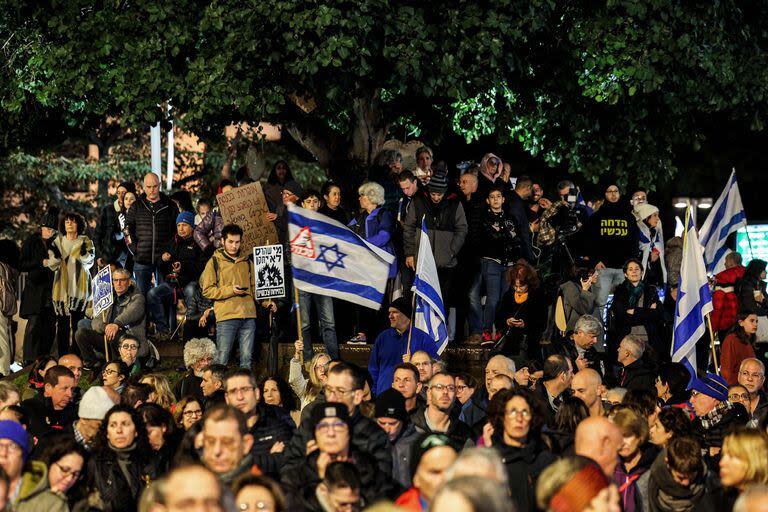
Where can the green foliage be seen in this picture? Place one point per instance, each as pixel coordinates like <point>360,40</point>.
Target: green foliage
<point>618,87</point>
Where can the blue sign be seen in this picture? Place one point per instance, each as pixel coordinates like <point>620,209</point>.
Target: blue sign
<point>101,291</point>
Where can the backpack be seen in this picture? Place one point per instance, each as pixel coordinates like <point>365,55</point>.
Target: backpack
<point>7,291</point>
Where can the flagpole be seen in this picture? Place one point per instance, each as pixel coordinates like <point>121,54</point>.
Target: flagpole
<point>298,317</point>
<point>712,343</point>
<point>410,327</point>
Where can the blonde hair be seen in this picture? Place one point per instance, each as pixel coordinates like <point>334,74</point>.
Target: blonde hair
<point>751,446</point>
<point>314,386</point>
<point>163,394</point>
<point>630,422</point>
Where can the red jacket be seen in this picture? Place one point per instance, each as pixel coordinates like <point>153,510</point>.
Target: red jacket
<point>732,353</point>
<point>410,501</point>
<point>724,300</point>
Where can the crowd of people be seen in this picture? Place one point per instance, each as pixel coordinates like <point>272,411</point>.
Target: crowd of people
<point>572,301</point>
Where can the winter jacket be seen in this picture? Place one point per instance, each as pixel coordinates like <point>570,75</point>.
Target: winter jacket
<point>128,312</point>
<point>377,229</point>
<point>208,231</point>
<point>458,431</point>
<point>38,289</point>
<point>517,208</point>
<point>366,435</point>
<point>637,375</point>
<point>660,492</point>
<point>576,302</point>
<point>650,318</point>
<point>630,495</point>
<point>732,352</point>
<point>611,235</point>
<point>401,455</point>
<point>745,289</point>
<point>221,273</point>
<point>724,299</point>
<point>109,239</point>
<point>446,229</point>
<point>523,465</point>
<point>474,209</point>
<point>152,227</point>
<point>71,276</point>
<point>533,311</point>
<point>186,252</point>
<point>388,351</point>
<point>712,428</point>
<point>499,239</point>
<point>274,424</point>
<point>44,419</point>
<point>35,494</point>
<point>567,347</point>
<point>107,483</point>
<point>189,385</point>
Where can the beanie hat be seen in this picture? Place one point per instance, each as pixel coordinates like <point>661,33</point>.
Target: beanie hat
<point>50,219</point>
<point>187,217</point>
<point>294,188</point>
<point>391,404</point>
<point>402,305</point>
<point>577,493</point>
<point>15,432</point>
<point>711,385</point>
<point>438,184</point>
<point>328,410</point>
<point>645,210</point>
<point>129,186</point>
<point>95,404</point>
<point>426,442</point>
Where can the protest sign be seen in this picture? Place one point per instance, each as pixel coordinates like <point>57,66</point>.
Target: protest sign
<point>268,272</point>
<point>101,288</point>
<point>247,207</point>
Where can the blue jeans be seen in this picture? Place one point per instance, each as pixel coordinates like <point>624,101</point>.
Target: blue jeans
<point>143,274</point>
<point>156,298</point>
<point>491,279</point>
<point>226,331</point>
<point>327,323</point>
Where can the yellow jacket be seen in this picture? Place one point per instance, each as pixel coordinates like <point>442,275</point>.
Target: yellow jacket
<point>217,281</point>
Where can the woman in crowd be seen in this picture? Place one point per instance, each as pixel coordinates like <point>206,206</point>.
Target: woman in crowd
<point>738,394</point>
<point>275,391</point>
<point>278,177</point>
<point>467,394</point>
<point>36,376</point>
<point>517,421</point>
<point>254,492</point>
<point>738,346</point>
<point>577,295</point>
<point>636,310</point>
<point>522,314</point>
<point>672,384</point>
<point>161,386</point>
<point>743,461</point>
<point>308,389</point>
<point>751,288</point>
<point>332,203</point>
<point>570,413</point>
<point>670,423</point>
<point>120,466</point>
<point>129,350</point>
<point>636,457</point>
<point>161,433</point>
<point>72,255</point>
<point>472,494</point>
<point>187,412</point>
<point>115,375</point>
<point>651,244</point>
<point>47,482</point>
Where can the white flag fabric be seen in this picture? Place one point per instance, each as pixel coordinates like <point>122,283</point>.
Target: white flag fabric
<point>330,259</point>
<point>727,216</point>
<point>694,300</point>
<point>429,315</point>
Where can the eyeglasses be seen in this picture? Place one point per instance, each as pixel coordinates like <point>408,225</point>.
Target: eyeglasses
<point>338,391</point>
<point>108,371</point>
<point>194,412</point>
<point>738,396</point>
<point>65,471</point>
<point>419,365</point>
<point>336,426</point>
<point>226,442</point>
<point>240,391</point>
<point>120,279</point>
<point>443,387</point>
<point>129,347</point>
<point>745,373</point>
<point>259,505</point>
<point>514,413</point>
<point>461,388</point>
<point>10,447</point>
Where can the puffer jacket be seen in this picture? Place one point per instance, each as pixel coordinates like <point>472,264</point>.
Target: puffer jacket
<point>186,252</point>
<point>523,465</point>
<point>35,493</point>
<point>108,237</point>
<point>221,273</point>
<point>725,301</point>
<point>108,488</point>
<point>499,239</point>
<point>209,228</point>
<point>275,424</point>
<point>446,229</point>
<point>127,311</point>
<point>152,227</point>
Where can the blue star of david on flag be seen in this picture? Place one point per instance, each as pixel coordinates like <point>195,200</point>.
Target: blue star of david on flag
<point>323,258</point>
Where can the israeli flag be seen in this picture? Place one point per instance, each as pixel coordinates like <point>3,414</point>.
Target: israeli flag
<point>727,216</point>
<point>694,300</point>
<point>330,259</point>
<point>429,315</point>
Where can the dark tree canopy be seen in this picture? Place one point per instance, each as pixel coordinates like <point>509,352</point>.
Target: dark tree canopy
<point>600,87</point>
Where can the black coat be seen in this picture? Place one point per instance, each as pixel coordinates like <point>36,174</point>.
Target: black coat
<point>188,385</point>
<point>107,247</point>
<point>274,424</point>
<point>533,311</point>
<point>567,347</point>
<point>621,322</point>
<point>106,478</point>
<point>637,375</point>
<point>523,465</point>
<point>38,290</point>
<point>458,431</point>
<point>152,227</point>
<point>517,208</point>
<point>189,254</point>
<point>43,418</point>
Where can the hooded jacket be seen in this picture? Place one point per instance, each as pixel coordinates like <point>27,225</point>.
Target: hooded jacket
<point>221,273</point>
<point>35,494</point>
<point>151,226</point>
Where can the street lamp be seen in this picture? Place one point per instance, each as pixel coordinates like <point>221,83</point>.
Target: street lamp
<point>705,203</point>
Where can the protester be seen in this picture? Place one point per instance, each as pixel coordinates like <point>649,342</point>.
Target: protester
<point>578,296</point>
<point>472,494</point>
<point>715,415</point>
<point>258,493</point>
<point>198,355</point>
<point>15,443</point>
<point>752,377</point>
<point>207,233</point>
<point>744,461</point>
<point>521,315</point>
<point>54,409</point>
<point>190,487</point>
<point>672,384</point>
<point>187,412</point>
<point>738,346</point>
<point>557,379</point>
<point>115,375</point>
<point>406,381</point>
<point>576,483</point>
<point>437,416</point>
<point>725,301</point>
<point>9,395</point>
<point>579,346</point>
<point>212,385</point>
<point>599,439</point>
<point>671,423</point>
<point>226,443</point>
<point>562,433</point>
<point>431,456</point>
<point>634,373</point>
<point>276,391</point>
<point>332,203</point>
<point>588,386</point>
<point>308,389</point>
<point>636,456</point>
<point>36,378</point>
<point>161,433</point>
<point>160,393</point>
<point>751,288</point>
<point>109,238</point>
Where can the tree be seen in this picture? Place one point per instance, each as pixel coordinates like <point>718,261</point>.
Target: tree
<point>602,87</point>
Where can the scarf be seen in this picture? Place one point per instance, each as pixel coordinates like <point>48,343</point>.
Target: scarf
<point>635,293</point>
<point>123,456</point>
<point>716,415</point>
<point>651,239</point>
<point>71,279</point>
<point>666,495</point>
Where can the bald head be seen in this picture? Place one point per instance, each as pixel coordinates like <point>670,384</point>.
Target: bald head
<point>599,439</point>
<point>151,187</point>
<point>74,363</point>
<point>588,386</point>
<point>498,365</point>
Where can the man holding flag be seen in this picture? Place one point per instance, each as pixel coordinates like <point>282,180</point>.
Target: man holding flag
<point>694,303</point>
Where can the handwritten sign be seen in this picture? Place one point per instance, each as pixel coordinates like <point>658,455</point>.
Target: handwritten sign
<point>247,207</point>
<point>101,288</point>
<point>268,272</point>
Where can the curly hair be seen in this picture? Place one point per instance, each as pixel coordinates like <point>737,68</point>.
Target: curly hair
<point>72,216</point>
<point>498,405</point>
<point>288,397</point>
<point>101,446</point>
<point>197,349</point>
<point>523,271</point>
<point>373,191</point>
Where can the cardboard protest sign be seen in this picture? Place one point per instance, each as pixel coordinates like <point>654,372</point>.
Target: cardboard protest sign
<point>101,291</point>
<point>268,272</point>
<point>247,207</point>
